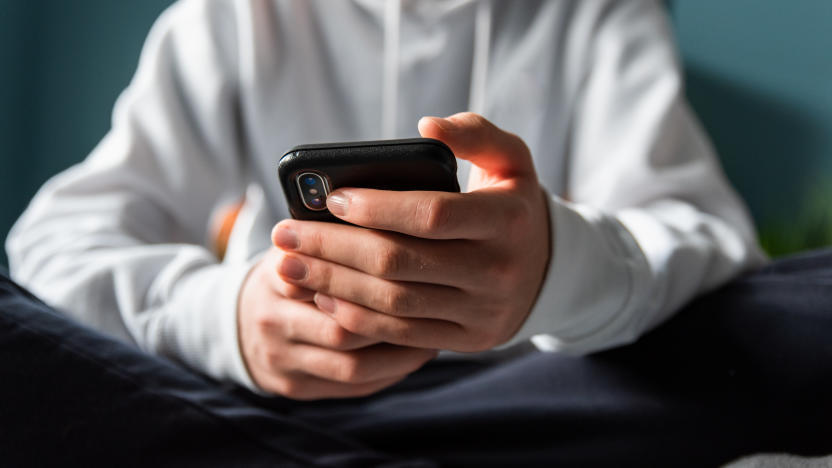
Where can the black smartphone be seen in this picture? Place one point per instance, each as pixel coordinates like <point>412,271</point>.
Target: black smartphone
<point>308,173</point>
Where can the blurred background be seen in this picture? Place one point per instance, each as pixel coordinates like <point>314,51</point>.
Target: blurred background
<point>759,75</point>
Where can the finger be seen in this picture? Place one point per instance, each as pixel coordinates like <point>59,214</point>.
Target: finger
<point>416,300</point>
<point>415,332</point>
<point>429,215</point>
<point>290,291</point>
<point>472,137</point>
<point>299,386</point>
<point>283,288</point>
<point>387,255</point>
<point>303,322</point>
<point>379,362</point>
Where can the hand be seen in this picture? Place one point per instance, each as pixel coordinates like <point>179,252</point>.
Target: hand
<point>293,349</point>
<point>435,270</point>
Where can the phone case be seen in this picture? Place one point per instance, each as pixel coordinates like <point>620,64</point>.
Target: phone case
<point>409,164</point>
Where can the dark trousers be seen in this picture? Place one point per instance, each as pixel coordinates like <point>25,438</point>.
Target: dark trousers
<point>743,370</point>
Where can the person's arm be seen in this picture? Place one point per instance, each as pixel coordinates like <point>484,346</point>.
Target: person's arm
<point>651,221</point>
<point>119,241</point>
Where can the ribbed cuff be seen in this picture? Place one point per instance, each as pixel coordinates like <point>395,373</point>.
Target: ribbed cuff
<point>203,323</point>
<point>595,272</point>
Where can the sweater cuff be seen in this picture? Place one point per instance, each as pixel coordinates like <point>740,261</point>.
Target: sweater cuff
<point>204,328</point>
<point>596,275</point>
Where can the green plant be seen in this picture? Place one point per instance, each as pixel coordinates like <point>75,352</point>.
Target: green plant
<point>807,227</point>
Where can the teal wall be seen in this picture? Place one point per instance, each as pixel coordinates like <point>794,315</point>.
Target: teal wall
<point>62,65</point>
<point>759,75</point>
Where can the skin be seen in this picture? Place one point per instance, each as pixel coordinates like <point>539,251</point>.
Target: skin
<point>421,271</point>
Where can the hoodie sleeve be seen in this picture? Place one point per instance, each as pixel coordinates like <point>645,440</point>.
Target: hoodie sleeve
<point>651,220</point>
<point>118,241</point>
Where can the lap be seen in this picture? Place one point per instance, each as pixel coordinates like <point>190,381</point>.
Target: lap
<point>745,369</point>
<point>741,370</point>
<point>71,396</point>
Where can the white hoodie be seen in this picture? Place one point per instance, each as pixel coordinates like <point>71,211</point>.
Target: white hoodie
<point>642,217</point>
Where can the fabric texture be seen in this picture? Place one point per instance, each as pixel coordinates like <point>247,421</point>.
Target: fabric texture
<point>643,217</point>
<point>74,397</point>
<point>743,370</point>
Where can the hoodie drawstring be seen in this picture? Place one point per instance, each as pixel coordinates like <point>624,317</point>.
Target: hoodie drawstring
<point>479,65</point>
<point>390,90</point>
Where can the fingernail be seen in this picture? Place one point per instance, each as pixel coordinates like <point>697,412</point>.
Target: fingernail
<point>338,203</point>
<point>293,268</point>
<point>325,303</point>
<point>286,238</point>
<point>442,123</point>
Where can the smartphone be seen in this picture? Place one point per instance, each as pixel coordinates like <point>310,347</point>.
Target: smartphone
<point>308,173</point>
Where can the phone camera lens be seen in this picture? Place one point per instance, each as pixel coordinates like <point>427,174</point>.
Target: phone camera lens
<point>312,188</point>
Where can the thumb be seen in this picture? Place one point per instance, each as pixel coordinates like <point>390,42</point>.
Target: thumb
<point>472,137</point>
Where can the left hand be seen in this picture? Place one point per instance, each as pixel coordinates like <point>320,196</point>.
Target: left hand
<point>456,271</point>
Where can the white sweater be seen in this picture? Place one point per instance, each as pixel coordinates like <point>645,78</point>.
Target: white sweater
<point>642,217</point>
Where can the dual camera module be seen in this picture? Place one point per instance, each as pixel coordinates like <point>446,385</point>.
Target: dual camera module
<point>313,190</point>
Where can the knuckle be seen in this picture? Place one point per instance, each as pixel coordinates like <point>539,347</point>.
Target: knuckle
<point>352,319</point>
<point>519,145</point>
<point>262,319</point>
<point>514,143</point>
<point>324,277</point>
<point>390,262</point>
<point>273,359</point>
<point>475,119</point>
<point>395,300</point>
<point>349,369</point>
<point>434,214</point>
<point>336,337</point>
<point>402,333</point>
<point>317,244</point>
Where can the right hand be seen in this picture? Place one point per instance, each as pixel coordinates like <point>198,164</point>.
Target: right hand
<point>292,348</point>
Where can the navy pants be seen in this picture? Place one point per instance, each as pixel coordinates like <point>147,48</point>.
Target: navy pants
<point>743,370</point>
